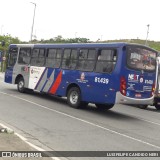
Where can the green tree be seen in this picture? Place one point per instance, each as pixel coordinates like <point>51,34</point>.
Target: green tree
<point>7,40</point>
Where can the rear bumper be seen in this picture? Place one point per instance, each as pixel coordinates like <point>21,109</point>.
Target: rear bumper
<point>127,100</point>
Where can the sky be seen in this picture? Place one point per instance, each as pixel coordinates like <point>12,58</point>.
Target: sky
<point>92,19</point>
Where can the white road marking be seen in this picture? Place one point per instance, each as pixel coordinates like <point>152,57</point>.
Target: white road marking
<point>85,121</point>
<point>148,121</point>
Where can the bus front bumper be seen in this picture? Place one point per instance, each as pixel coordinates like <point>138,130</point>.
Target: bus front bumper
<point>127,100</point>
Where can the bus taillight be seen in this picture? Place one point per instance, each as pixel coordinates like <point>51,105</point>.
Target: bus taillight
<point>153,90</point>
<point>123,86</point>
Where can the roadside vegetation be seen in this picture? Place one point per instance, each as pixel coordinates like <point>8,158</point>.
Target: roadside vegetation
<point>153,44</point>
<point>5,41</point>
<point>59,39</point>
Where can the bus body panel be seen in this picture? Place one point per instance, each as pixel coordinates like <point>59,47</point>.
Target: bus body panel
<point>35,76</point>
<point>9,75</point>
<point>44,79</point>
<point>56,81</point>
<point>91,85</point>
<point>21,70</point>
<point>139,85</point>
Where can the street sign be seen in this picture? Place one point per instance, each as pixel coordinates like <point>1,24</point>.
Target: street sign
<point>4,58</point>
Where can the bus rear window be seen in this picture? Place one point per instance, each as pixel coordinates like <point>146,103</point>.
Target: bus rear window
<point>141,58</point>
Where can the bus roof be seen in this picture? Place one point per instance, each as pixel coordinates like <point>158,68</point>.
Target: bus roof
<point>79,45</point>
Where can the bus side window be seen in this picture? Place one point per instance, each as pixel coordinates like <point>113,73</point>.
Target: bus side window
<point>73,62</point>
<point>53,58</point>
<point>50,57</point>
<point>66,58</point>
<point>24,56</point>
<point>41,58</point>
<point>38,57</point>
<point>106,60</point>
<point>58,58</point>
<point>69,59</point>
<point>87,59</point>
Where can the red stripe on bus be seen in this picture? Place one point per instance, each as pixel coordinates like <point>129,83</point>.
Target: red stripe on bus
<point>56,84</point>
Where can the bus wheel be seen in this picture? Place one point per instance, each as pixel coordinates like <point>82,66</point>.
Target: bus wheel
<point>157,106</point>
<point>74,97</point>
<point>20,85</point>
<point>142,106</point>
<point>104,106</point>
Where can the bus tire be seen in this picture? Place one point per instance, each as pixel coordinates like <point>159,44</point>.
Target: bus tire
<point>142,106</point>
<point>157,106</point>
<point>104,106</point>
<point>20,85</point>
<point>74,97</point>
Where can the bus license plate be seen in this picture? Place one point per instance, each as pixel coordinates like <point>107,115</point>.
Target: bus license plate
<point>138,95</point>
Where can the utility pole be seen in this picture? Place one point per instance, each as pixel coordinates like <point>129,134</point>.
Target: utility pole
<point>75,34</point>
<point>2,29</point>
<point>33,20</point>
<point>147,35</point>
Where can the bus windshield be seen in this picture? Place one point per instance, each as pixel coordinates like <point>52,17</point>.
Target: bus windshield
<point>12,56</point>
<point>141,58</point>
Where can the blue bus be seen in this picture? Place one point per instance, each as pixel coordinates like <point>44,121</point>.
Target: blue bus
<point>99,73</point>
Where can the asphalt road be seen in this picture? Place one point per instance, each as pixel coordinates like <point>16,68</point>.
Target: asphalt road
<point>51,124</point>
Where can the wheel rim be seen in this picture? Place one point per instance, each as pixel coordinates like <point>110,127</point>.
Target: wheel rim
<point>21,85</point>
<point>74,97</point>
